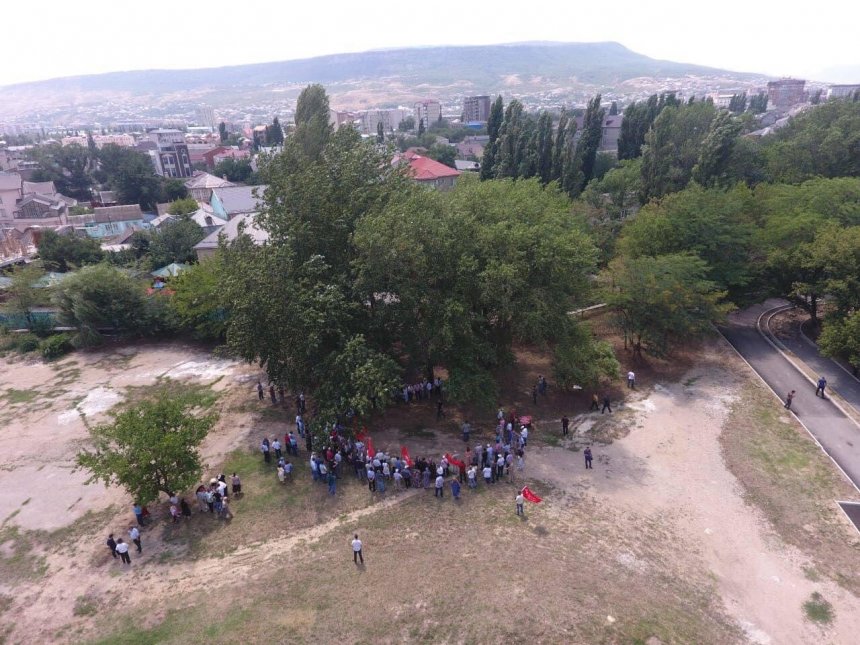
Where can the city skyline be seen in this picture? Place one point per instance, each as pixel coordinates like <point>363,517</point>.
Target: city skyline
<point>743,37</point>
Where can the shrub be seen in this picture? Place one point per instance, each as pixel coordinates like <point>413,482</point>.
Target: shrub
<point>56,346</point>
<point>27,343</point>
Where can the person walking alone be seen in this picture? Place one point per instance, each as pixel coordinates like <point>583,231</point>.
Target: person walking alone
<point>122,549</point>
<point>587,454</point>
<point>822,383</point>
<point>631,380</point>
<point>606,405</point>
<point>565,424</point>
<point>356,550</point>
<point>595,402</point>
<point>260,394</point>
<point>788,399</point>
<point>520,501</point>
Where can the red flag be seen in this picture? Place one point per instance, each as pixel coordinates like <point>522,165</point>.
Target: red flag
<point>404,452</point>
<point>361,436</point>
<point>529,495</point>
<point>370,450</point>
<point>525,420</point>
<point>459,464</point>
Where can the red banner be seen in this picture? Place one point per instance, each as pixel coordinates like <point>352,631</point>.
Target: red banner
<point>456,462</point>
<point>404,453</point>
<point>370,450</point>
<point>525,420</point>
<point>529,495</point>
<point>361,436</point>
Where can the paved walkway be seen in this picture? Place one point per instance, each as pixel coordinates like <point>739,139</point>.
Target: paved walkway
<point>838,379</point>
<point>837,434</point>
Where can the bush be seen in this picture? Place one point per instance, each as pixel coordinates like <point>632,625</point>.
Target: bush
<point>27,343</point>
<point>56,346</point>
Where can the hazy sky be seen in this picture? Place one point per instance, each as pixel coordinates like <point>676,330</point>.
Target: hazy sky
<point>46,40</point>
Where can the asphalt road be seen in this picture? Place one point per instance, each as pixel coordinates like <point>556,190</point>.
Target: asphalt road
<point>836,433</point>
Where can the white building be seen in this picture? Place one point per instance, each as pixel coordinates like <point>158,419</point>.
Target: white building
<point>428,112</point>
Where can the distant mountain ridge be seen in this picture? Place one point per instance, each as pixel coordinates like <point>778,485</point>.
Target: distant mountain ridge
<point>587,62</point>
<point>567,72</point>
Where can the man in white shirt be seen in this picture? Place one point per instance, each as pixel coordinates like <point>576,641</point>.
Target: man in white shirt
<point>631,380</point>
<point>134,534</point>
<point>440,483</point>
<point>122,549</point>
<point>356,550</point>
<point>520,501</point>
<point>488,474</point>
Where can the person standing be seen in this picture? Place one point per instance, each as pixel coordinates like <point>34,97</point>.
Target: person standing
<point>138,513</point>
<point>260,394</point>
<point>606,405</point>
<point>822,383</point>
<point>520,501</point>
<point>356,550</point>
<point>272,394</point>
<point>595,402</point>
<point>122,549</point>
<point>587,454</point>
<point>332,482</point>
<point>264,448</point>
<point>371,480</point>
<point>455,489</point>
<point>440,483</point>
<point>134,534</point>
<point>111,544</point>
<point>631,380</point>
<point>565,424</point>
<point>186,509</point>
<point>788,399</point>
<point>237,484</point>
<point>467,430</point>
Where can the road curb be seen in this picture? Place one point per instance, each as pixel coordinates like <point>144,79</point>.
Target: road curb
<point>799,420</point>
<point>793,359</point>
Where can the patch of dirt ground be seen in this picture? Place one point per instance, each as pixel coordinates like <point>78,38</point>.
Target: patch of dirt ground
<point>672,537</point>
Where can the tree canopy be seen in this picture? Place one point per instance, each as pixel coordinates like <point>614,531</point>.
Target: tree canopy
<point>150,448</point>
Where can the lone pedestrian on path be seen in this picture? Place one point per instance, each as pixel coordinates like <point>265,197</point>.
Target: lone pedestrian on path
<point>631,380</point>
<point>587,454</point>
<point>122,549</point>
<point>520,500</point>
<point>111,544</point>
<point>260,394</point>
<point>595,402</point>
<point>356,550</point>
<point>822,383</point>
<point>565,424</point>
<point>788,399</point>
<point>606,405</point>
<point>134,534</point>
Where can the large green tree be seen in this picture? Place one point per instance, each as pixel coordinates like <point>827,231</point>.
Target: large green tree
<point>673,146</point>
<point>663,300</point>
<point>150,448</point>
<point>101,298</point>
<point>715,154</point>
<point>63,252</point>
<point>312,121</point>
<point>175,241</point>
<point>494,124</point>
<point>587,146</point>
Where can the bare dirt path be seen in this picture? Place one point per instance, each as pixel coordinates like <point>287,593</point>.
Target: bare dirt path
<point>671,466</point>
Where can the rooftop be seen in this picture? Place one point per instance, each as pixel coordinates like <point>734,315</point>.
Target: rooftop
<point>240,199</point>
<point>230,231</point>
